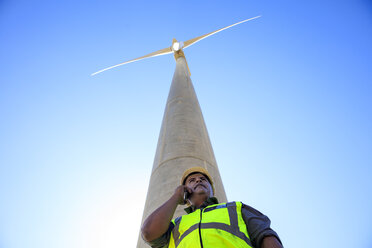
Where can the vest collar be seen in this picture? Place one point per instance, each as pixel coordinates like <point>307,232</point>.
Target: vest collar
<point>210,201</point>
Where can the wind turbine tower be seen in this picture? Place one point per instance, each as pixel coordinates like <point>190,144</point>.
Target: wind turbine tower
<point>183,141</point>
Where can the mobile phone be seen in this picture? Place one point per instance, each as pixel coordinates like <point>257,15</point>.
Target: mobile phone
<point>186,197</point>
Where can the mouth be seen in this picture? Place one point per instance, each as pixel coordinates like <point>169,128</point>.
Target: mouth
<point>199,185</point>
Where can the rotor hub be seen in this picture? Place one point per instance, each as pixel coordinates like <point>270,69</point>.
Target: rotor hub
<point>176,46</point>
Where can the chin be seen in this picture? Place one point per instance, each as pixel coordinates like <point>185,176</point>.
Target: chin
<point>201,192</point>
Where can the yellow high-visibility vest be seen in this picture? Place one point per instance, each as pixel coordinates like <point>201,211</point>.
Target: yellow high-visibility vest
<point>219,225</point>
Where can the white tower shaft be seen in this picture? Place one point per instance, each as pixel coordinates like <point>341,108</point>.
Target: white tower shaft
<point>183,143</point>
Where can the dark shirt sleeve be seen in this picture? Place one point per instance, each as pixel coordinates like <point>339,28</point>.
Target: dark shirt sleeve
<point>258,225</point>
<point>162,241</point>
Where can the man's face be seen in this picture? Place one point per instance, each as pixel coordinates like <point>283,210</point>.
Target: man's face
<point>199,184</point>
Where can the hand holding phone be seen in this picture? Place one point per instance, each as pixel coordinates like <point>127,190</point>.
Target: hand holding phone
<point>186,197</point>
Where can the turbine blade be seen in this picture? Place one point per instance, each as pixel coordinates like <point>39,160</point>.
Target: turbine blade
<point>188,68</point>
<point>154,54</point>
<point>194,40</point>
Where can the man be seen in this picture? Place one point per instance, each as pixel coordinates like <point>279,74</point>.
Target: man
<point>207,224</point>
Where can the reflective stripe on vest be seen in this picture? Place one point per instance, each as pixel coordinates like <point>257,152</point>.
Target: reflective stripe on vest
<point>220,224</point>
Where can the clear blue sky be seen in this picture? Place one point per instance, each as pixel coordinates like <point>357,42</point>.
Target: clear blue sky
<point>286,99</point>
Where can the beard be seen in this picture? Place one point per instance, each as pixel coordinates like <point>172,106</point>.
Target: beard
<point>200,189</point>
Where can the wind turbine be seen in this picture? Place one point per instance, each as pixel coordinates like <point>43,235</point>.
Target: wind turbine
<point>176,48</point>
<point>183,140</point>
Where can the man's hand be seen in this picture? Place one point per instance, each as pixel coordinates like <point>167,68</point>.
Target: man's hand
<point>271,242</point>
<point>179,194</point>
<point>156,224</point>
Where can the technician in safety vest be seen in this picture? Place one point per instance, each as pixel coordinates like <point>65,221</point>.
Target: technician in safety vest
<point>208,224</point>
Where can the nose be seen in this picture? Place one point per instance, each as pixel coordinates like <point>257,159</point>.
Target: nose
<point>198,180</point>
